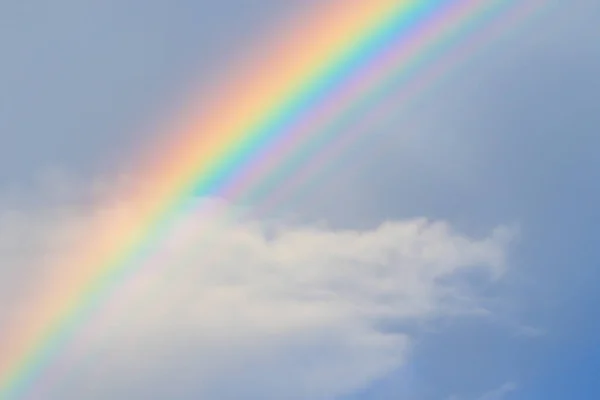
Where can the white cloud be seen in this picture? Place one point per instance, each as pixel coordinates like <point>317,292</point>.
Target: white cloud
<point>499,393</point>
<point>249,308</point>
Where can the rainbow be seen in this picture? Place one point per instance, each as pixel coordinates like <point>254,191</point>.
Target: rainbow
<point>277,112</point>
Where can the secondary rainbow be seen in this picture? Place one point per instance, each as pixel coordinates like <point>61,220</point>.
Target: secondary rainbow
<point>324,67</point>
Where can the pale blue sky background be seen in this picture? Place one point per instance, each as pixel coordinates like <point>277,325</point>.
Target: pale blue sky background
<point>512,138</point>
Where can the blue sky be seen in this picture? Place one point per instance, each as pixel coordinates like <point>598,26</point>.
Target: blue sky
<point>509,141</point>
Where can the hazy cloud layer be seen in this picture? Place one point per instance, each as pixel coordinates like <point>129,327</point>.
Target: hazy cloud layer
<point>260,308</point>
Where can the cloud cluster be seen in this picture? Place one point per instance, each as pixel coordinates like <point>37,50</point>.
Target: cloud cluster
<point>227,309</point>
<point>500,393</point>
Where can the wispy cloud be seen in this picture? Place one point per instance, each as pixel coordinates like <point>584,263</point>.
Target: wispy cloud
<point>251,307</point>
<point>499,393</point>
